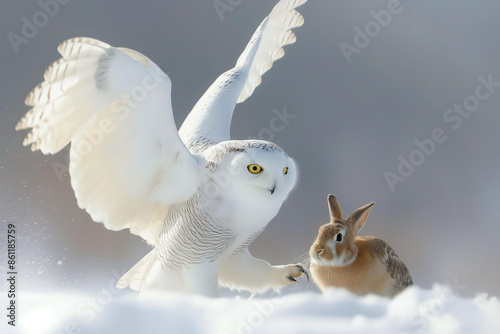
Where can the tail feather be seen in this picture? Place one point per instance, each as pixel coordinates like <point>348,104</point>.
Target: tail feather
<point>135,278</point>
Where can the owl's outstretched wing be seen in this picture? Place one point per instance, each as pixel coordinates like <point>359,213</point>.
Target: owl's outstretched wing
<point>209,121</point>
<point>127,161</point>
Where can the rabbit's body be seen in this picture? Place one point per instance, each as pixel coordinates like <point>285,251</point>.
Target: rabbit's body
<point>363,265</point>
<point>367,274</point>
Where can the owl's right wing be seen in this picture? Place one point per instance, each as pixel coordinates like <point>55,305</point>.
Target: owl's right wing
<point>128,164</point>
<point>209,121</point>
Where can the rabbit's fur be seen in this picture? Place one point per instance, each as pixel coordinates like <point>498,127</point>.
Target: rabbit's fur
<point>362,265</point>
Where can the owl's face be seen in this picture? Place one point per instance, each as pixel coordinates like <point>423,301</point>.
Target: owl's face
<point>254,175</point>
<point>267,174</point>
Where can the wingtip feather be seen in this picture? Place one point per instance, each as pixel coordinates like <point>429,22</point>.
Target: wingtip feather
<point>277,54</point>
<point>79,47</point>
<point>295,19</point>
<point>278,33</point>
<point>24,122</point>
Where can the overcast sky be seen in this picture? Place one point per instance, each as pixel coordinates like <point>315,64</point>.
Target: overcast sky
<point>358,114</point>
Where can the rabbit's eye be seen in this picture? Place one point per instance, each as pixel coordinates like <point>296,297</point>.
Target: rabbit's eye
<point>339,237</point>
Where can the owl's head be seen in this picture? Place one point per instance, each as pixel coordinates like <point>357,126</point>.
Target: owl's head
<point>255,171</point>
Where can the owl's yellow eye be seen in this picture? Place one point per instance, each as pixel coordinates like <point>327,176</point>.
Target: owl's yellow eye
<point>254,169</point>
<point>285,170</point>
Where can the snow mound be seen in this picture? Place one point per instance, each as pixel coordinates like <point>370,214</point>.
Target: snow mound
<point>439,310</point>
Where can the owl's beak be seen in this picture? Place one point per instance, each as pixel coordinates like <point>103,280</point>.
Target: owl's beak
<point>272,189</point>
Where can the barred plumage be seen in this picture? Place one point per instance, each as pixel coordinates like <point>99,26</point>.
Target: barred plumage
<point>191,236</point>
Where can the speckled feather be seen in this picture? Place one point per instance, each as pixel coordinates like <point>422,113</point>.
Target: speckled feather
<point>192,236</point>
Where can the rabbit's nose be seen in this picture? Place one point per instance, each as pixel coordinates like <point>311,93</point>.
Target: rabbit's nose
<point>319,252</point>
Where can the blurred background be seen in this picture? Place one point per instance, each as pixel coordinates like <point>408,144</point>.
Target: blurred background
<point>354,117</point>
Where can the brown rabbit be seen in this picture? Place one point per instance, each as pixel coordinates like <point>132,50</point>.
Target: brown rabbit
<point>362,265</point>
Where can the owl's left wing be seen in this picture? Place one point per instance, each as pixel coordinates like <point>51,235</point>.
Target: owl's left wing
<point>209,121</point>
<point>128,164</point>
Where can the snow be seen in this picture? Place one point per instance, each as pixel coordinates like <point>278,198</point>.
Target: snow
<point>441,309</point>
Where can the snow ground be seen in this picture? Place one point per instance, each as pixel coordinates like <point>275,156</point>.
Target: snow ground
<point>439,310</point>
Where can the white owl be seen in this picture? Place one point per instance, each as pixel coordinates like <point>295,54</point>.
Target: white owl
<point>198,197</point>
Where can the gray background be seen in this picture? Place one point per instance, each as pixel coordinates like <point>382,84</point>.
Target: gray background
<point>353,121</point>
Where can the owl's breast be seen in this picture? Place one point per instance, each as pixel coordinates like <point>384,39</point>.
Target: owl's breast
<point>191,235</point>
<point>245,216</point>
<point>205,228</point>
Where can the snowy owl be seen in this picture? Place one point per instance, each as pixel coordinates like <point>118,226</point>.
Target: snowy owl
<point>196,196</point>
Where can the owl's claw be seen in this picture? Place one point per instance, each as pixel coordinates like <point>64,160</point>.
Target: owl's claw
<point>292,272</point>
<point>305,272</point>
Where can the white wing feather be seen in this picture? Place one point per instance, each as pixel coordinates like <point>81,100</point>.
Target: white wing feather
<point>277,34</point>
<point>209,121</point>
<point>128,164</point>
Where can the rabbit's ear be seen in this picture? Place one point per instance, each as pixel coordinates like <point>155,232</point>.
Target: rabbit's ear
<point>334,207</point>
<point>357,218</point>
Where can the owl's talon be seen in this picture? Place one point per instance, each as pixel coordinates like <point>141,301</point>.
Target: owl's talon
<point>290,273</point>
<point>305,272</point>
